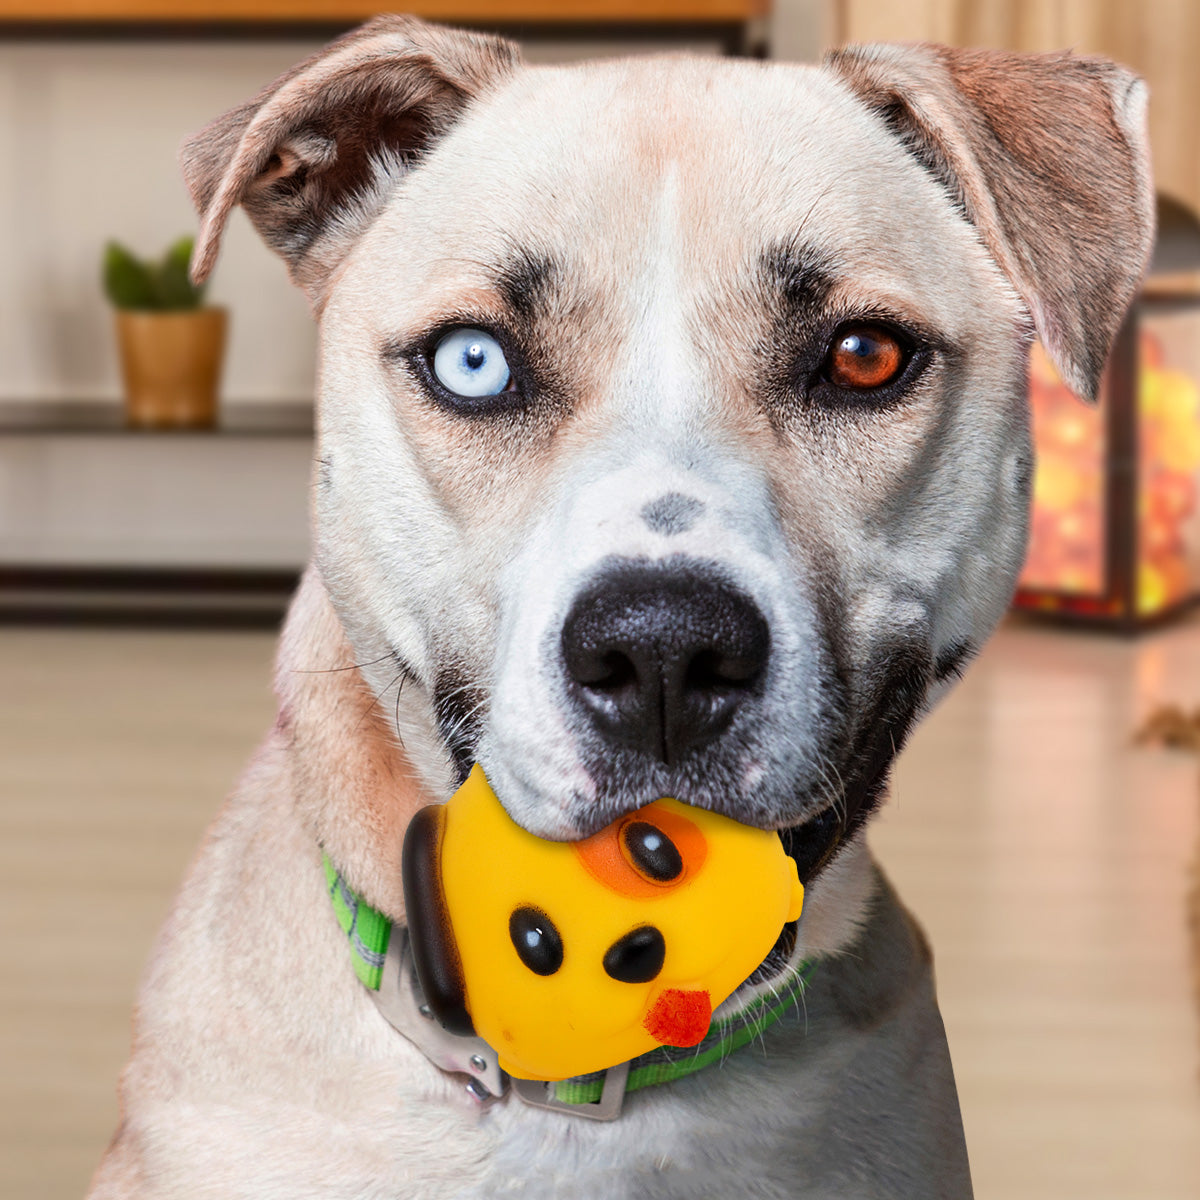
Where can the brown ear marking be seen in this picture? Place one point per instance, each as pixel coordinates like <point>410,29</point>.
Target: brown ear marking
<point>1046,154</point>
<point>431,936</point>
<point>324,140</point>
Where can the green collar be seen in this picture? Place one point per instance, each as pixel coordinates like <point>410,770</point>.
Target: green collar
<point>368,930</point>
<point>368,933</point>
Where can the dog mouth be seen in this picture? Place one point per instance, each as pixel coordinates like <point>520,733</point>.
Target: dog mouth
<point>813,842</point>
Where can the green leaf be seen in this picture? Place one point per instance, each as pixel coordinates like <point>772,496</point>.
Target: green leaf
<point>175,288</point>
<point>131,282</point>
<point>128,282</point>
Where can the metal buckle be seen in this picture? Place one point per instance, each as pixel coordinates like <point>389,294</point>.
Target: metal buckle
<point>399,1000</point>
<point>608,1108</point>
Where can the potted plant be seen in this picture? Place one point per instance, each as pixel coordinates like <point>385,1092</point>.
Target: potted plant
<point>171,344</point>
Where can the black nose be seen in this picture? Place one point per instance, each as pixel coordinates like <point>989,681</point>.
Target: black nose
<point>662,656</point>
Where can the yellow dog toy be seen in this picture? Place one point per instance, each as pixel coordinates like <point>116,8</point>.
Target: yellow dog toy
<point>571,957</point>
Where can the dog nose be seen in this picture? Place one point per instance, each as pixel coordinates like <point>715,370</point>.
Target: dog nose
<point>661,658</point>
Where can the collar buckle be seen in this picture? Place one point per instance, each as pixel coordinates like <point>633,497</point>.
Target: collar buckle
<point>399,1000</point>
<point>539,1094</point>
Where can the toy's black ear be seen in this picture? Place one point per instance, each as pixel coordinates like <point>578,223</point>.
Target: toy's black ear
<point>315,154</point>
<point>431,936</point>
<point>1047,155</point>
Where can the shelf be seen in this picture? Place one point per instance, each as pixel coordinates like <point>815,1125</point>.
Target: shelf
<point>141,597</point>
<point>474,12</point>
<point>733,27</point>
<point>291,419</point>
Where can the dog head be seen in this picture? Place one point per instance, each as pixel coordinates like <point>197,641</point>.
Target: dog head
<point>672,428</point>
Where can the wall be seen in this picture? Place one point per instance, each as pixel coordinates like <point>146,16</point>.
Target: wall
<point>801,29</point>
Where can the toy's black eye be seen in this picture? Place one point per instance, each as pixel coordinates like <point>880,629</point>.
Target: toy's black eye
<point>637,957</point>
<point>537,941</point>
<point>863,357</point>
<point>652,852</point>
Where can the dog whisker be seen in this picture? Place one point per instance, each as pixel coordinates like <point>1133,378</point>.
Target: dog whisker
<point>463,722</point>
<point>396,719</point>
<point>336,670</point>
<point>375,700</point>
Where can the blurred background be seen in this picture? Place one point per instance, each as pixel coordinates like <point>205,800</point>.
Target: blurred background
<point>153,521</point>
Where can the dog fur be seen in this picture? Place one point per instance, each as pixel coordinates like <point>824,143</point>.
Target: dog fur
<point>670,244</point>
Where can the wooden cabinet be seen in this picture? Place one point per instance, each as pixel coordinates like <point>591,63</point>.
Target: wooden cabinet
<point>467,11</point>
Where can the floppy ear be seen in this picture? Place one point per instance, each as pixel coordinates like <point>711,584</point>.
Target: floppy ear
<point>1046,155</point>
<point>314,155</point>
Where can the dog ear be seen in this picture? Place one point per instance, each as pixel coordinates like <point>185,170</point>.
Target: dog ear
<point>313,156</point>
<point>1046,155</point>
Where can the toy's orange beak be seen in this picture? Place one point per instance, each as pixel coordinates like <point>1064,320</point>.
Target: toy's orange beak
<point>679,1017</point>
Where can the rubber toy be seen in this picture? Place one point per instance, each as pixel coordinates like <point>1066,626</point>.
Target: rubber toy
<point>572,957</point>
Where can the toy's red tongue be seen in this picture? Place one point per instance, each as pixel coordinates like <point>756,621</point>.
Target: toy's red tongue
<point>679,1017</point>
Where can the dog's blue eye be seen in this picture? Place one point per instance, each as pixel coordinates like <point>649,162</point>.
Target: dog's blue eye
<point>470,363</point>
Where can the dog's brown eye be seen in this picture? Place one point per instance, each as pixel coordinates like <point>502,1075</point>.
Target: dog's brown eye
<point>864,357</point>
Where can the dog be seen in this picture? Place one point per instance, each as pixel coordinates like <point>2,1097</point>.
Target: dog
<point>672,440</point>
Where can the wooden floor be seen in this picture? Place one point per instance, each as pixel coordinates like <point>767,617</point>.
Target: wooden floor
<point>1045,855</point>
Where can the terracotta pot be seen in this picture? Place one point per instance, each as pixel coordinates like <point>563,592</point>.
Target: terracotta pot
<point>171,362</point>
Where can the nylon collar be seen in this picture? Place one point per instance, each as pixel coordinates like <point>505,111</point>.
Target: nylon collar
<point>379,955</point>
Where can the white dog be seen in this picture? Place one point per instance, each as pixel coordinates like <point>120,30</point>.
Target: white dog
<point>672,441</point>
